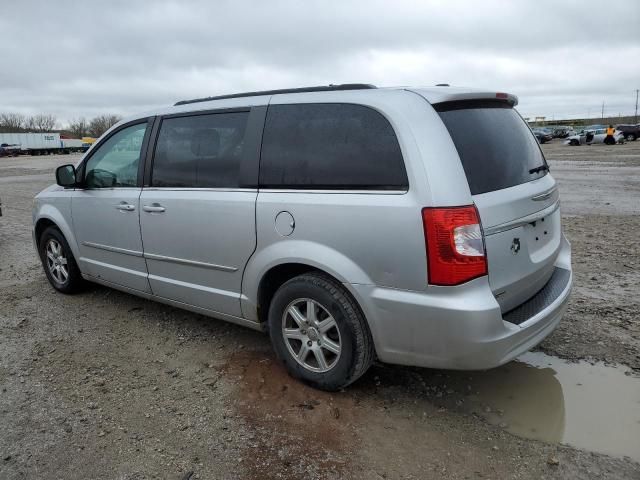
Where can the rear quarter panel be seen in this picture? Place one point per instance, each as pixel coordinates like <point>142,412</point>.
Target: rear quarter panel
<point>373,238</point>
<point>358,238</point>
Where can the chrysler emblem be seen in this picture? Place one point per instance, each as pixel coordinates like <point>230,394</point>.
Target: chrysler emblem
<point>515,246</point>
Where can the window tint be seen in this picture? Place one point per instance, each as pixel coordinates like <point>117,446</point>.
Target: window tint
<point>200,151</point>
<point>330,146</point>
<point>496,147</point>
<point>115,162</point>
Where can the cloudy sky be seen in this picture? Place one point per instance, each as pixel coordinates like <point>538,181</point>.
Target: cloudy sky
<point>82,58</point>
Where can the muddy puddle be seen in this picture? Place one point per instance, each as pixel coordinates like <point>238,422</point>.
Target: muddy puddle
<point>305,431</point>
<point>593,407</point>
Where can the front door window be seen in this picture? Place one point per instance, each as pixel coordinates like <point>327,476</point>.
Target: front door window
<point>115,163</point>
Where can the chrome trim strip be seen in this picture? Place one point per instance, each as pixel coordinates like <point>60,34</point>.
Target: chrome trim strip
<point>276,190</point>
<point>105,189</point>
<point>108,248</point>
<point>545,195</point>
<point>193,189</point>
<point>194,263</point>
<point>503,227</point>
<point>334,191</point>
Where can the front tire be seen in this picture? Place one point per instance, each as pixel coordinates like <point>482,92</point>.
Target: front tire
<point>319,333</point>
<point>58,262</point>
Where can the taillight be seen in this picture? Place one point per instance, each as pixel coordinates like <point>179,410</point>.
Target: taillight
<point>455,246</point>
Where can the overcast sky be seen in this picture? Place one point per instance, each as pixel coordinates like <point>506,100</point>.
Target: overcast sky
<point>71,59</point>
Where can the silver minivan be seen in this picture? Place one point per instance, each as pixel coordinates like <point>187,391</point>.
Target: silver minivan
<point>416,226</point>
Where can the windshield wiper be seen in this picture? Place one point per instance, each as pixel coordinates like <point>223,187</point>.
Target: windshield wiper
<point>541,168</point>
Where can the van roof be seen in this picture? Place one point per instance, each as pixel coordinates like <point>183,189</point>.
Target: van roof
<point>321,88</point>
<point>442,92</point>
<point>363,91</point>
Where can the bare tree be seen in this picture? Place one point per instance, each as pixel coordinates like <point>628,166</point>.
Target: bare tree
<point>42,122</point>
<point>102,123</point>
<point>12,122</point>
<point>30,124</point>
<point>79,128</point>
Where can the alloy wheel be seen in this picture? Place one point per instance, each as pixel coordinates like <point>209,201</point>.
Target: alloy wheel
<point>311,335</point>
<point>56,261</point>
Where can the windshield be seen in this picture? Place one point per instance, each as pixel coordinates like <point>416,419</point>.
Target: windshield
<point>494,143</point>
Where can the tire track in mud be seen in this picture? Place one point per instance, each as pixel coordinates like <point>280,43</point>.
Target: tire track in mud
<point>296,431</point>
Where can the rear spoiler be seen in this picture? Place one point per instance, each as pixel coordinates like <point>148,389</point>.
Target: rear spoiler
<point>473,103</point>
<point>452,94</point>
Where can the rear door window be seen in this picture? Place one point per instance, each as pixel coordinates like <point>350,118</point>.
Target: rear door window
<point>330,146</point>
<point>200,151</point>
<point>494,143</point>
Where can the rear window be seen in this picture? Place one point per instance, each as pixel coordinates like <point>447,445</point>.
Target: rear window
<point>330,146</point>
<point>495,145</point>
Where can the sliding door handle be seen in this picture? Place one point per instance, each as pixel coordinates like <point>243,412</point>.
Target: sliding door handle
<point>154,208</point>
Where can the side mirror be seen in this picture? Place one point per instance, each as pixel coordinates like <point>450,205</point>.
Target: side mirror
<point>66,176</point>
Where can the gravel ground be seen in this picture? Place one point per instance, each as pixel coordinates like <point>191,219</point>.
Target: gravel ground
<point>105,385</point>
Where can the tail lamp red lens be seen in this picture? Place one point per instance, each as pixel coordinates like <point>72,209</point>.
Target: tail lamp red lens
<point>455,245</point>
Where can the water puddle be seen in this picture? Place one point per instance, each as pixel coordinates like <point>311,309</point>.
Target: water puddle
<point>593,407</point>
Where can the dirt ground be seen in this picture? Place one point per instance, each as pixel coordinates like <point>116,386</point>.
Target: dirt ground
<point>105,385</point>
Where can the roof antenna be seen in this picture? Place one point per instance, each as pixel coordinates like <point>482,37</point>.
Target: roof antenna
<point>442,85</point>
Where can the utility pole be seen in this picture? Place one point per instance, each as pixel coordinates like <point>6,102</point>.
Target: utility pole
<point>636,114</point>
<point>603,110</point>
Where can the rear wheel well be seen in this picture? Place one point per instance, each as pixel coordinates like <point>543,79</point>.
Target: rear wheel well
<point>276,277</point>
<point>41,226</point>
<point>273,280</point>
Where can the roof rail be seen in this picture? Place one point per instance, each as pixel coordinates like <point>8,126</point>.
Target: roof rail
<point>322,88</point>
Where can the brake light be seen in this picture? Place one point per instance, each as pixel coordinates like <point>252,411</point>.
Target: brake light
<point>455,245</point>
<point>502,95</point>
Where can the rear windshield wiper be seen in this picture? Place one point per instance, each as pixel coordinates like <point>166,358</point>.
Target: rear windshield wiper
<point>541,168</point>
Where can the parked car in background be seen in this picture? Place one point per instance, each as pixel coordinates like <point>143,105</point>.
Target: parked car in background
<point>9,150</point>
<point>630,132</point>
<point>563,132</point>
<point>351,223</point>
<point>542,136</point>
<point>589,137</point>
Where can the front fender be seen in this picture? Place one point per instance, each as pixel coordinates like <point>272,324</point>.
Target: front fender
<point>58,211</point>
<point>303,252</point>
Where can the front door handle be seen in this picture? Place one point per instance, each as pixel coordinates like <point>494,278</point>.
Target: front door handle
<point>125,207</point>
<point>153,208</point>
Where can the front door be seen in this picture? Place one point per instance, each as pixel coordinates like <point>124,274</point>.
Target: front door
<point>106,214</point>
<point>198,224</point>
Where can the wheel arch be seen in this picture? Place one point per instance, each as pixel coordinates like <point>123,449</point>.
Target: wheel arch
<point>274,278</point>
<point>279,274</point>
<point>41,225</point>
<point>281,261</point>
<point>49,216</point>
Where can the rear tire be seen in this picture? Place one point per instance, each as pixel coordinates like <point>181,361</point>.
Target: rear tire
<point>319,333</point>
<point>58,262</point>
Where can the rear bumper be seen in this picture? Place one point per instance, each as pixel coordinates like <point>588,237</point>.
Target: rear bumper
<point>458,327</point>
